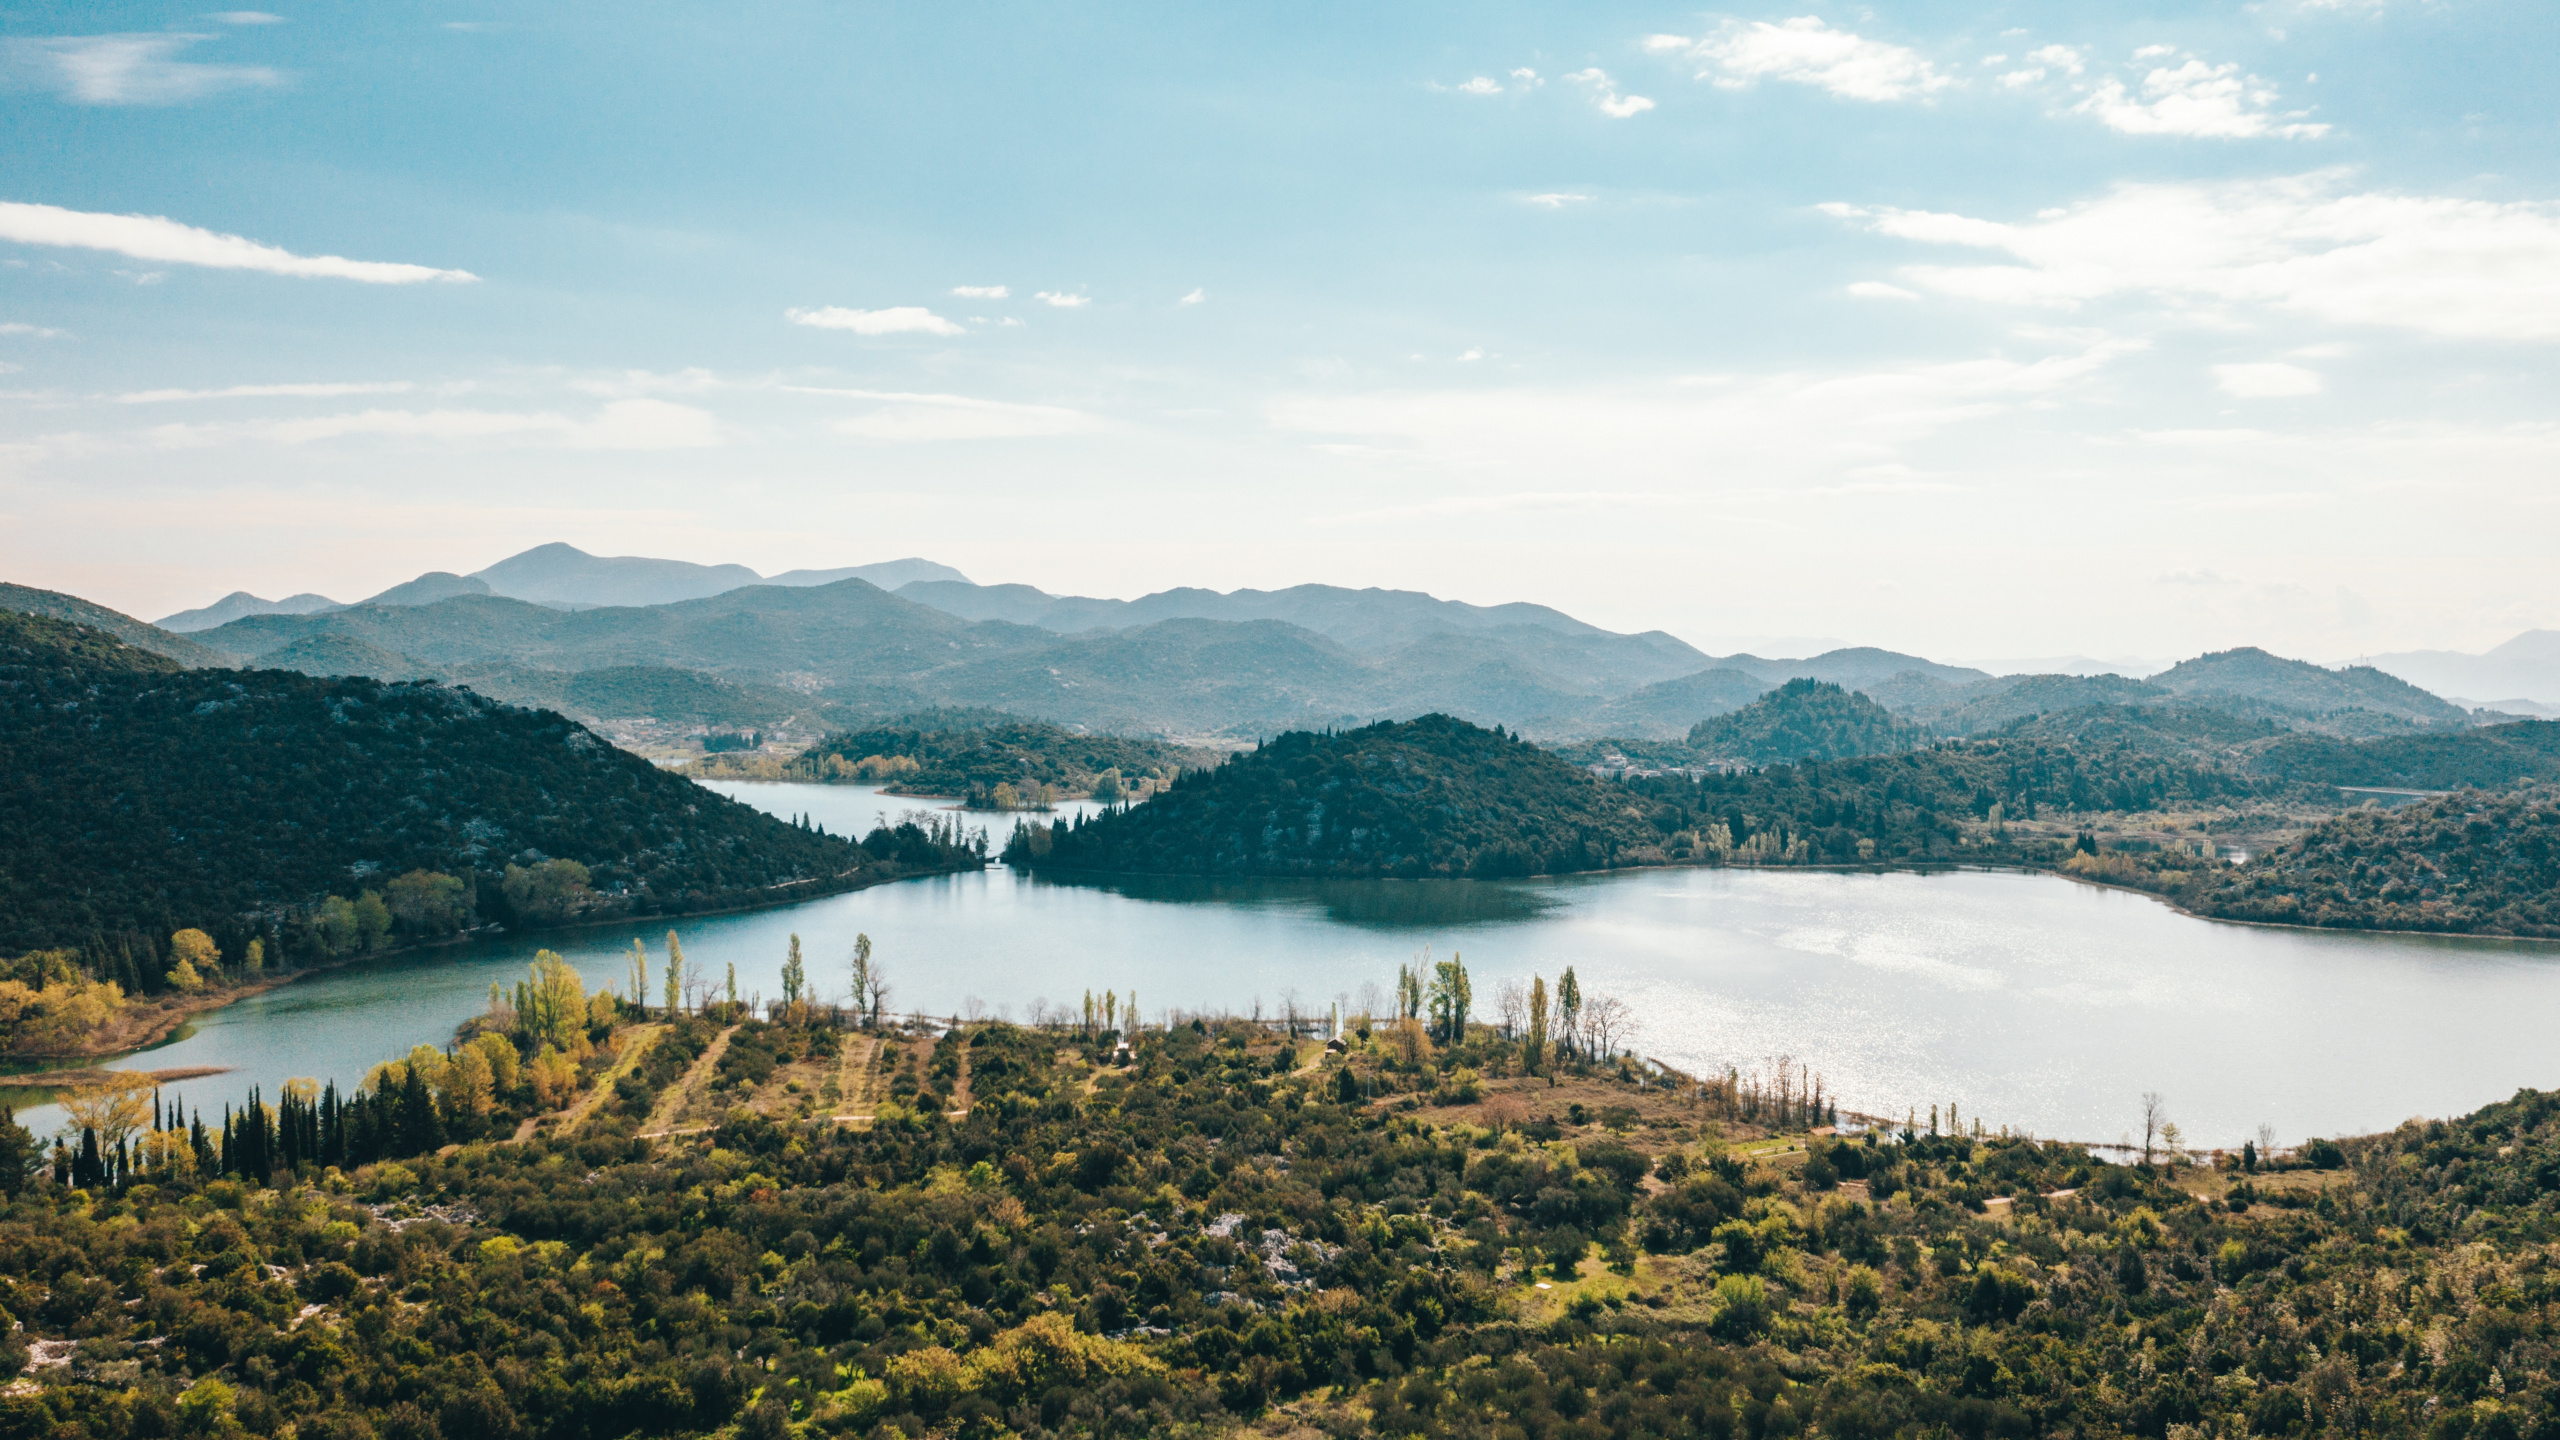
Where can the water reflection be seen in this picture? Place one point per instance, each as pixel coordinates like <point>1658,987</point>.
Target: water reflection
<point>1423,905</point>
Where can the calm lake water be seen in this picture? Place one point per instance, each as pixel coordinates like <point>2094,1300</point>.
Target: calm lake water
<point>2025,1000</point>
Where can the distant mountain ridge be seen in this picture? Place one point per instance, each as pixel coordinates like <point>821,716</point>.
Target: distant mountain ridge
<point>566,577</point>
<point>238,603</point>
<point>2524,668</point>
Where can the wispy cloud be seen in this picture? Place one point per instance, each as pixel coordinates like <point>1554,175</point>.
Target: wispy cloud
<point>245,17</point>
<point>622,425</point>
<point>1196,297</point>
<point>1555,199</point>
<point>983,292</point>
<point>41,332</point>
<point>124,69</point>
<point>1878,290</point>
<point>912,417</point>
<point>1063,299</point>
<point>155,237</point>
<point>2200,100</point>
<point>266,392</point>
<point>2474,269</point>
<point>2266,380</point>
<point>1604,94</point>
<point>896,320</point>
<point>1781,428</point>
<point>1806,51</point>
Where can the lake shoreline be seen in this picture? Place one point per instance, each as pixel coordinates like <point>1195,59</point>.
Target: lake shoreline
<point>1948,868</point>
<point>165,1015</point>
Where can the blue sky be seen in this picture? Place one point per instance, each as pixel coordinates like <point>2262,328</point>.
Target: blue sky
<point>1981,331</point>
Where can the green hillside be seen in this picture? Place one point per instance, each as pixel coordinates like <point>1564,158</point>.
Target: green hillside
<point>1926,806</point>
<point>2489,756</point>
<point>1804,720</point>
<point>1433,796</point>
<point>969,753</point>
<point>341,655</point>
<point>1668,709</point>
<point>1988,705</point>
<point>2299,685</point>
<point>136,800</point>
<point>1237,1234</point>
<point>186,650</point>
<point>2470,863</point>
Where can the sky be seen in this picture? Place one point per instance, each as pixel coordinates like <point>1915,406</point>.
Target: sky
<point>1977,331</point>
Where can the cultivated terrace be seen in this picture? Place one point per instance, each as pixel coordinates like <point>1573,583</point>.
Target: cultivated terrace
<point>989,1230</point>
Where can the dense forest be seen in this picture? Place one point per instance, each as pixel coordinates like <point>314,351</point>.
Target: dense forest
<point>1428,797</point>
<point>1945,803</point>
<point>1804,720</point>
<point>989,1232</point>
<point>2474,862</point>
<point>138,800</point>
<point>976,753</point>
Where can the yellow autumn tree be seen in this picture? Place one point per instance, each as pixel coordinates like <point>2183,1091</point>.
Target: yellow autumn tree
<point>192,956</point>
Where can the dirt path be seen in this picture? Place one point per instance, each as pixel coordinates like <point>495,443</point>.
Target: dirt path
<point>671,1106</point>
<point>635,1043</point>
<point>960,1087</point>
<point>853,1081</point>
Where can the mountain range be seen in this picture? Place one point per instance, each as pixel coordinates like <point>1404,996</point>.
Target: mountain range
<point>656,650</point>
<point>567,578</point>
<point>2525,670</point>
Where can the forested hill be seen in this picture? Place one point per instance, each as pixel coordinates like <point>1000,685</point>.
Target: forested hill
<point>2470,863</point>
<point>1427,797</point>
<point>970,753</point>
<point>1805,720</point>
<point>137,799</point>
<point>54,605</point>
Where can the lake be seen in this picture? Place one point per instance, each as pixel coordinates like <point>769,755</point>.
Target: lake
<point>2026,1000</point>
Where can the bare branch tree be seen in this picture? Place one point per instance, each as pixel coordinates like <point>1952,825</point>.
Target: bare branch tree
<point>1511,1002</point>
<point>1606,1023</point>
<point>2155,1113</point>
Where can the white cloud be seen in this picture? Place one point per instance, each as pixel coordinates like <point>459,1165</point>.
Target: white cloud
<point>1554,199</point>
<point>896,320</point>
<point>1605,94</point>
<point>2060,57</point>
<point>1475,354</point>
<point>2268,380</point>
<point>1806,51</point>
<point>622,425</point>
<point>2196,99</point>
<point>41,332</point>
<point>983,292</point>
<point>2473,269</point>
<point>1196,297</point>
<point>246,17</point>
<point>1064,300</point>
<point>125,69</point>
<point>905,417</point>
<point>2020,79</point>
<point>2154,52</point>
<point>1481,85</point>
<point>647,425</point>
<point>1878,290</point>
<point>263,392</point>
<point>154,237</point>
<point>1779,429</point>
<point>1526,78</point>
